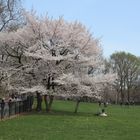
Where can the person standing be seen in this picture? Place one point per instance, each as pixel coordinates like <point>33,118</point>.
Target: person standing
<point>2,108</point>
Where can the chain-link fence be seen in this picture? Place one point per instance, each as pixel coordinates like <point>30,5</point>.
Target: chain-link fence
<point>11,108</point>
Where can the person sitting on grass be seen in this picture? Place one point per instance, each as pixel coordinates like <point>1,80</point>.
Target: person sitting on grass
<point>103,114</point>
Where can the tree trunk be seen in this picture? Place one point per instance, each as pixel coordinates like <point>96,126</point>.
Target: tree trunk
<point>39,102</point>
<point>51,97</point>
<point>122,96</point>
<point>77,105</point>
<point>128,95</point>
<point>48,102</point>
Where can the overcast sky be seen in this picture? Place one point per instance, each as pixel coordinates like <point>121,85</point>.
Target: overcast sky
<point>115,22</point>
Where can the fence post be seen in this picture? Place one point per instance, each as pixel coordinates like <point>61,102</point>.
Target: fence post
<point>19,107</point>
<point>21,103</point>
<point>10,104</point>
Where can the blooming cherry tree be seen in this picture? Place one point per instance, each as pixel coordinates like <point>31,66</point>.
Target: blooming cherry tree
<point>55,54</point>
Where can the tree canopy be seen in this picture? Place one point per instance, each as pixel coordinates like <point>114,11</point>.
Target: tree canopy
<point>47,51</point>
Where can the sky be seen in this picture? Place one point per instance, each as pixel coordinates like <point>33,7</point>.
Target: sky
<point>115,22</point>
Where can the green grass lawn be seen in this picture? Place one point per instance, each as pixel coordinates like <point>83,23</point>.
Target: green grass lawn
<point>62,124</point>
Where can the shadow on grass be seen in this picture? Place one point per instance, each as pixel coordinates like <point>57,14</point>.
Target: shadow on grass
<point>60,113</point>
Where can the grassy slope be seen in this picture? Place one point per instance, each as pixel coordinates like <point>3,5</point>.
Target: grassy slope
<point>62,124</point>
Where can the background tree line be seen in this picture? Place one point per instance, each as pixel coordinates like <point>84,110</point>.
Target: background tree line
<point>127,68</point>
